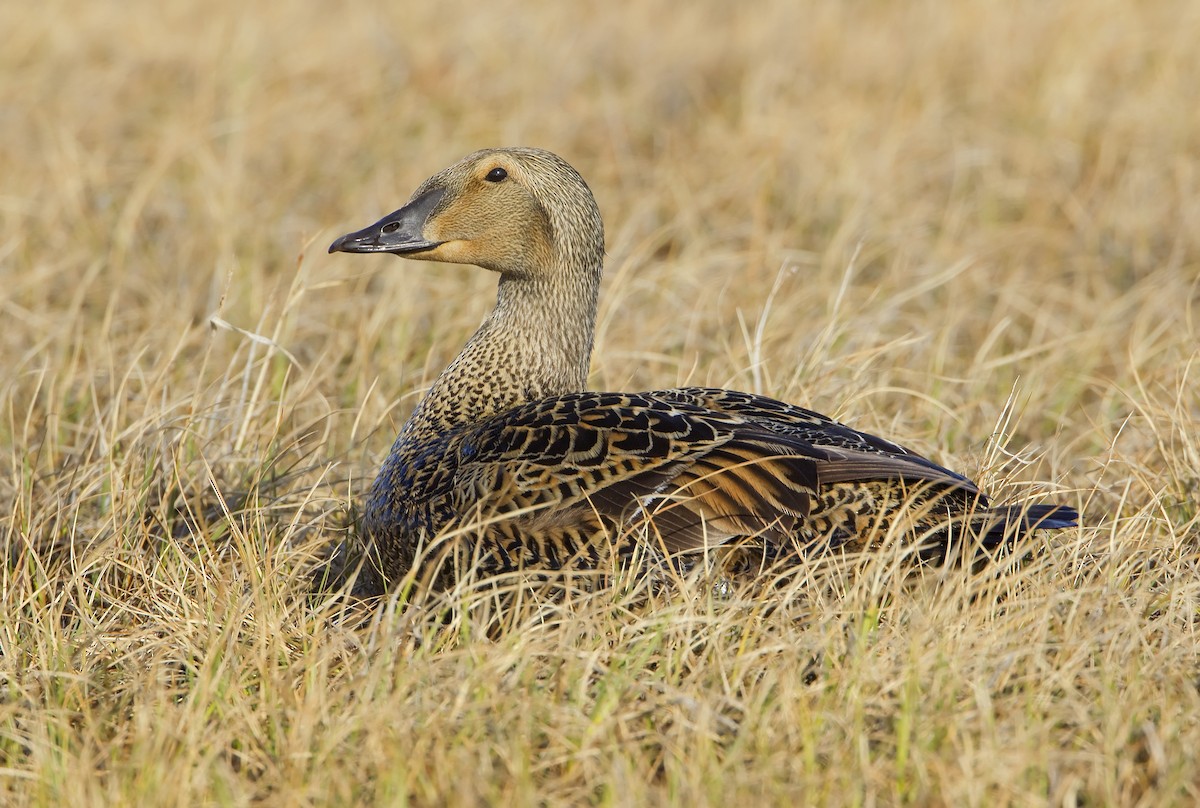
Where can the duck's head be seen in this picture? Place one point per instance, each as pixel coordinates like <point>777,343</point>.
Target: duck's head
<point>518,211</point>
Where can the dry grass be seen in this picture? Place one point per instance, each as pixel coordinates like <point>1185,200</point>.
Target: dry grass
<point>974,227</point>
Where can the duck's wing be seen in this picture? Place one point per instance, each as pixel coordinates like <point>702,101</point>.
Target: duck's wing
<point>699,476</point>
<point>869,457</point>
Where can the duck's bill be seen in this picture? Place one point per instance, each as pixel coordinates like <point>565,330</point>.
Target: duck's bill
<point>400,232</point>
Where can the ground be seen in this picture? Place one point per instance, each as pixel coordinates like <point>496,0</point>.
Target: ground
<point>973,228</point>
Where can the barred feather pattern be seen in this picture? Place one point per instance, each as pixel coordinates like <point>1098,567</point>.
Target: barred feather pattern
<point>588,480</point>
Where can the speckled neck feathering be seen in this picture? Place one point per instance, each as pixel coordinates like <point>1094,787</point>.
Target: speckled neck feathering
<point>537,341</point>
<point>507,463</point>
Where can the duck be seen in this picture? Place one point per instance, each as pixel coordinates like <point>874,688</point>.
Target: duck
<point>510,463</point>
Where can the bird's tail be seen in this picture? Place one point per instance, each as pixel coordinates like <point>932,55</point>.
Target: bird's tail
<point>1010,522</point>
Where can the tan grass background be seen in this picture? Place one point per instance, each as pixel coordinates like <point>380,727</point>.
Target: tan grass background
<point>973,227</point>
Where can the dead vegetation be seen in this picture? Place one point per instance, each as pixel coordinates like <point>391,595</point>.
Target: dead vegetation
<point>973,228</point>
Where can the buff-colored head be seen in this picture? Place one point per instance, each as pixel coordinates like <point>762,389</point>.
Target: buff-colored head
<point>522,212</point>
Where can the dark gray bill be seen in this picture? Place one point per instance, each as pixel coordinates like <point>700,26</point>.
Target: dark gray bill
<point>399,232</point>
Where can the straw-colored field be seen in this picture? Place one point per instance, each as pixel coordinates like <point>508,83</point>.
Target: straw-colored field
<point>972,227</point>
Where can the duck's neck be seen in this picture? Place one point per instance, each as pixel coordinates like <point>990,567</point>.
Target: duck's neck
<point>536,343</point>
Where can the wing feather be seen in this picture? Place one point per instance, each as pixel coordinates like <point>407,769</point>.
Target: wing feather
<point>699,473</point>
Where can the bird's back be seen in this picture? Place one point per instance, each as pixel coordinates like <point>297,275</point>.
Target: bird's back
<point>580,480</point>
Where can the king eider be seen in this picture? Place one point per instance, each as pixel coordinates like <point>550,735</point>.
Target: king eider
<point>511,462</point>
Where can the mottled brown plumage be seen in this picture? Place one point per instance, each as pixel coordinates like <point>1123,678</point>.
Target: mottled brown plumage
<point>512,459</point>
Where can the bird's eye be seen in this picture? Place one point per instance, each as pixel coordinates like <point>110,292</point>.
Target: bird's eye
<point>496,175</point>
